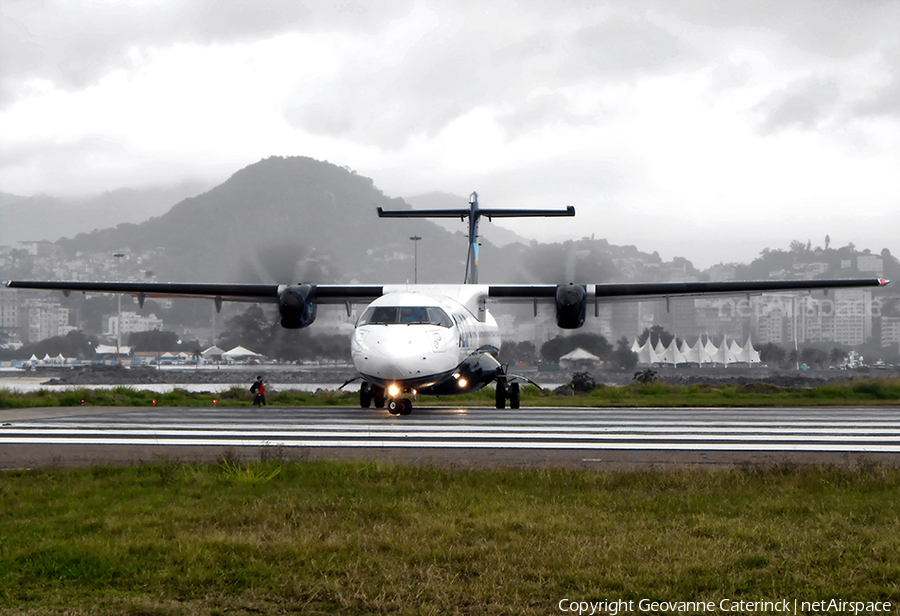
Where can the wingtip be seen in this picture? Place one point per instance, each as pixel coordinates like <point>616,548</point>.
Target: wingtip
<point>883,282</point>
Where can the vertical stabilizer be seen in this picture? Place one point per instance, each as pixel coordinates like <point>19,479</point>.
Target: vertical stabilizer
<point>474,214</point>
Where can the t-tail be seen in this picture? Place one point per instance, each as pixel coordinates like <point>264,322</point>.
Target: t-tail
<point>474,214</point>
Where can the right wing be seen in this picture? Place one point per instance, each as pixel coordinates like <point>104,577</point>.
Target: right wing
<point>624,291</point>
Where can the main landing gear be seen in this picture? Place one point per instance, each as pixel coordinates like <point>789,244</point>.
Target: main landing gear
<point>507,391</point>
<point>369,394</point>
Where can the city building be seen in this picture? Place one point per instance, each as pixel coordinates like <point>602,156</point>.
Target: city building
<point>132,322</point>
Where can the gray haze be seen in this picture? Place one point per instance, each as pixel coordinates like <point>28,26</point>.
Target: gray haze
<point>704,129</point>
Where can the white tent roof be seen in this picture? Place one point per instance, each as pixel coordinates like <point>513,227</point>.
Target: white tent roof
<point>106,349</point>
<point>658,348</point>
<point>213,350</point>
<point>240,351</point>
<point>579,354</point>
<point>672,355</point>
<point>701,353</point>
<point>646,354</point>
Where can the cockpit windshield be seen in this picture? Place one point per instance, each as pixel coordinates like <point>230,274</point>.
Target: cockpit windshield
<point>405,315</point>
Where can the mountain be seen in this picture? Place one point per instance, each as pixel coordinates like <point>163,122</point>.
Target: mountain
<point>293,219</point>
<point>43,217</point>
<point>285,220</point>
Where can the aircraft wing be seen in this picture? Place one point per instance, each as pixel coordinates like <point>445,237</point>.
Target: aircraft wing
<point>325,294</point>
<point>340,294</point>
<point>663,290</point>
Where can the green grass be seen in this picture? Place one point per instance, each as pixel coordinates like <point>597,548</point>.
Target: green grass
<point>658,394</point>
<point>368,538</point>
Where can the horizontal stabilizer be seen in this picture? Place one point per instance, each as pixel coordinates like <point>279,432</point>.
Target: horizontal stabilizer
<point>462,213</point>
<point>382,213</point>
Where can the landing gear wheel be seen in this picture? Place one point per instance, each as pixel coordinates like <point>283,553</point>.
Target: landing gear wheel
<point>365,396</point>
<point>405,406</point>
<point>378,397</point>
<point>514,398</point>
<point>395,406</point>
<point>501,395</point>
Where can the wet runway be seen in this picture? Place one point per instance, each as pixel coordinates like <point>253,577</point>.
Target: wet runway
<point>467,436</point>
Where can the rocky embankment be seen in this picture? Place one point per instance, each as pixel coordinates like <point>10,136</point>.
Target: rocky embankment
<point>114,375</point>
<point>142,375</point>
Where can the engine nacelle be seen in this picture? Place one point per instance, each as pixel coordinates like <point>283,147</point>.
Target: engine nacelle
<point>297,305</point>
<point>571,305</point>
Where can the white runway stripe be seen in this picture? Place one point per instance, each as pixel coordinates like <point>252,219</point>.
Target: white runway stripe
<point>807,429</point>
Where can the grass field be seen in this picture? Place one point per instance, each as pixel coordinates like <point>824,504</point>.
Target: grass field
<point>279,537</point>
<point>658,394</point>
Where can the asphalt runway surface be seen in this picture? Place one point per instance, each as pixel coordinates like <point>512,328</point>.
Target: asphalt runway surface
<point>454,436</point>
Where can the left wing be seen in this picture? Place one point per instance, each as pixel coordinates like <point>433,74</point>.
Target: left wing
<point>325,294</point>
<point>296,303</point>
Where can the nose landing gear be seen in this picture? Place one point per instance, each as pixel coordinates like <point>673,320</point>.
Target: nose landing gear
<point>373,394</point>
<point>400,406</point>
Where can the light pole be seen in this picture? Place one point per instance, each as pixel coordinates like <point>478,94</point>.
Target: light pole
<point>415,239</point>
<point>118,256</point>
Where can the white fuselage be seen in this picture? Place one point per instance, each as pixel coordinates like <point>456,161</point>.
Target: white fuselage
<point>421,336</point>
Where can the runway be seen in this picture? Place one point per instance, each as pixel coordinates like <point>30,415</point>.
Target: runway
<point>469,436</point>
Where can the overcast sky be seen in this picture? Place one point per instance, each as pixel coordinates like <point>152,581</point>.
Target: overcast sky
<point>703,129</point>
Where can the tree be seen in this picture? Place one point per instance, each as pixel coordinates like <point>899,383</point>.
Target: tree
<point>252,329</point>
<point>657,332</point>
<point>553,349</point>
<point>772,353</point>
<point>812,356</point>
<point>73,344</point>
<point>153,341</point>
<point>623,356</point>
<point>518,352</point>
<point>797,246</point>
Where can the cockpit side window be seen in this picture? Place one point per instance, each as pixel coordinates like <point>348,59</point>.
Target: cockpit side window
<point>436,316</point>
<point>405,315</point>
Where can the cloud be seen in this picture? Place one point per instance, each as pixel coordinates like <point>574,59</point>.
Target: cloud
<point>805,104</point>
<point>884,101</point>
<point>72,45</point>
<point>425,77</point>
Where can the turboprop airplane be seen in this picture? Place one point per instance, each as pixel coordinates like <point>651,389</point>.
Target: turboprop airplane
<point>436,339</point>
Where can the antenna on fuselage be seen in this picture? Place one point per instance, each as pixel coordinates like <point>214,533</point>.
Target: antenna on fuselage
<point>474,214</point>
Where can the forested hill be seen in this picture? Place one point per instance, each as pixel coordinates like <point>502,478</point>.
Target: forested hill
<point>283,219</point>
<point>802,260</point>
<point>298,219</point>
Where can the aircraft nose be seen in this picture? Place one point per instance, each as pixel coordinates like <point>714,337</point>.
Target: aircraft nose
<point>396,354</point>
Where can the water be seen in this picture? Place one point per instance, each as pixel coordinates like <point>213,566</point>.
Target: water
<point>30,384</point>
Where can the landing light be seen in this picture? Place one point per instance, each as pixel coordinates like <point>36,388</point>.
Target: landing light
<point>393,390</point>
<point>462,382</point>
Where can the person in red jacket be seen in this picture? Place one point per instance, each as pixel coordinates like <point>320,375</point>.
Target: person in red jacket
<point>259,389</point>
